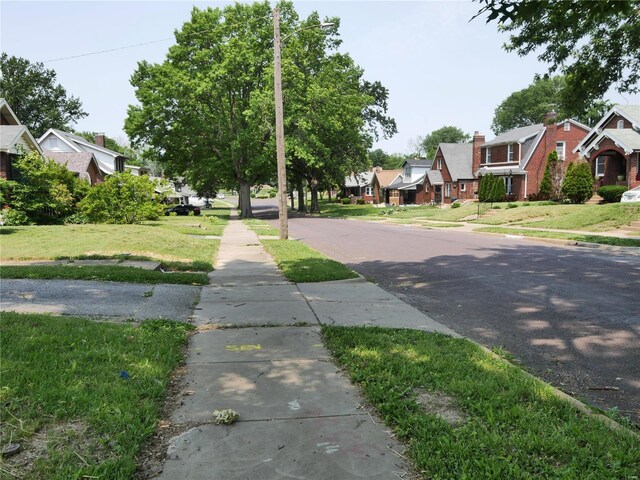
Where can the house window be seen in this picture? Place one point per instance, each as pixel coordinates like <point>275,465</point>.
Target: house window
<point>407,171</point>
<point>487,158</point>
<point>600,167</point>
<point>53,142</point>
<point>439,164</point>
<point>510,152</point>
<point>447,189</point>
<point>620,124</point>
<point>368,191</point>
<point>463,187</point>
<point>567,127</point>
<point>560,150</point>
<point>508,182</point>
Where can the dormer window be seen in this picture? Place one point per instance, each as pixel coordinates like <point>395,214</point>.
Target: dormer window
<point>567,127</point>
<point>407,171</point>
<point>620,124</point>
<point>487,157</point>
<point>510,152</point>
<point>439,164</point>
<point>53,143</point>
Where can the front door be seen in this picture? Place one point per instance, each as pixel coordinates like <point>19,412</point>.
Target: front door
<point>438,195</point>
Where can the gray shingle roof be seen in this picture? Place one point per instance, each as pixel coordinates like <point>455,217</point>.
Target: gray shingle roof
<point>628,138</point>
<point>75,161</point>
<point>401,184</point>
<point>9,135</point>
<point>419,162</point>
<point>435,177</point>
<point>83,141</point>
<point>515,135</point>
<point>459,158</point>
<point>631,111</point>
<point>361,179</point>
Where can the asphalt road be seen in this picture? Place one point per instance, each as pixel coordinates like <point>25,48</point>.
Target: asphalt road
<point>571,315</point>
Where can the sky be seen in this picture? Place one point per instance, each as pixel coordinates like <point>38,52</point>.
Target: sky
<point>440,67</point>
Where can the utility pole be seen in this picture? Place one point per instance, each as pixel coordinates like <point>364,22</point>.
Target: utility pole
<point>282,169</point>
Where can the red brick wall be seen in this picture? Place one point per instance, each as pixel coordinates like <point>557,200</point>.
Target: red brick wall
<point>613,123</point>
<point>5,165</point>
<point>478,139</point>
<point>538,161</point>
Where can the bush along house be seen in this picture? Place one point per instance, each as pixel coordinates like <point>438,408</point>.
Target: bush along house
<point>612,147</point>
<point>408,188</point>
<point>450,177</point>
<point>519,156</point>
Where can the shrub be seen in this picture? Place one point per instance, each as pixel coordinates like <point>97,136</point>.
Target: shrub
<point>46,192</point>
<point>10,217</point>
<point>456,205</point>
<point>512,205</point>
<point>272,193</point>
<point>578,183</point>
<point>252,195</point>
<point>492,189</point>
<point>123,198</point>
<point>526,204</point>
<point>360,201</point>
<point>551,184</point>
<point>345,201</point>
<point>611,193</point>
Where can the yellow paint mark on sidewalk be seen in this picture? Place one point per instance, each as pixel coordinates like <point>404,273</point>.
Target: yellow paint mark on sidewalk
<point>242,348</point>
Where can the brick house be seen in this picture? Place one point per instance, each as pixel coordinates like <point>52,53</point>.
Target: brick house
<point>408,188</point>
<point>15,139</point>
<point>358,185</point>
<point>451,176</point>
<point>613,147</point>
<point>519,156</point>
<point>83,164</point>
<point>109,161</point>
<point>379,183</point>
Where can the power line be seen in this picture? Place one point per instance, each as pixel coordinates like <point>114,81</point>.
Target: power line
<point>107,51</point>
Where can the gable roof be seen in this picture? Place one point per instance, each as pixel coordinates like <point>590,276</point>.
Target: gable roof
<point>362,179</point>
<point>418,162</point>
<point>10,136</point>
<point>435,177</point>
<point>625,138</point>
<point>630,112</point>
<point>7,112</point>
<point>78,162</point>
<point>459,159</point>
<point>400,184</point>
<point>82,143</point>
<point>386,177</point>
<point>516,135</point>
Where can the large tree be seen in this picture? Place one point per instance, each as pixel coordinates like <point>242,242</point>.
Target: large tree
<point>388,161</point>
<point>529,106</point>
<point>195,110</point>
<point>446,134</point>
<point>593,43</point>
<point>37,99</point>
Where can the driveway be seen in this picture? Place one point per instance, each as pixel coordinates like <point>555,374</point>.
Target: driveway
<point>571,315</point>
<point>111,300</point>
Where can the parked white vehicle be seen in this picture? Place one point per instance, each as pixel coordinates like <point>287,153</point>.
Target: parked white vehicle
<point>632,195</point>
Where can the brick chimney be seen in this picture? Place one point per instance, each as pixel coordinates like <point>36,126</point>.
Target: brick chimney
<point>99,139</point>
<point>478,139</point>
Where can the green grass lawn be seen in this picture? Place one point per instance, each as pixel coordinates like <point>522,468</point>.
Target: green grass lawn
<point>64,398</point>
<point>300,263</point>
<point>507,424</point>
<point>592,218</point>
<point>103,273</point>
<point>600,239</point>
<point>260,227</point>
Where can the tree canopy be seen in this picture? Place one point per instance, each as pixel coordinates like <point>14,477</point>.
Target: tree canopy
<point>446,134</point>
<point>37,99</point>
<point>380,158</point>
<point>593,43</point>
<point>207,111</point>
<point>529,106</point>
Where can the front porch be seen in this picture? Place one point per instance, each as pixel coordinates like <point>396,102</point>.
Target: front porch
<point>611,167</point>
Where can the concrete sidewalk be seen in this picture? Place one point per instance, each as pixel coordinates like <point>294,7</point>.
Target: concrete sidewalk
<point>299,416</point>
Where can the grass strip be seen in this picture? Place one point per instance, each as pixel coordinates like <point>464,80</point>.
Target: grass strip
<point>510,426</point>
<point>195,266</point>
<point>260,227</point>
<point>82,396</point>
<point>103,273</point>
<point>301,263</point>
<point>600,239</point>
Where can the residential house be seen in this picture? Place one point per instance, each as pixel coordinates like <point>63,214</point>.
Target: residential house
<point>15,139</point>
<point>613,147</point>
<point>379,183</point>
<point>451,176</point>
<point>408,188</point>
<point>519,156</point>
<point>108,160</point>
<point>83,164</point>
<point>358,186</point>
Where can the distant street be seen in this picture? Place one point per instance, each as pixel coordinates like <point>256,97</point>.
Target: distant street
<point>571,315</point>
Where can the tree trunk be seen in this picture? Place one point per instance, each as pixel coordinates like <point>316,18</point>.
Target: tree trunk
<point>245,200</point>
<point>329,199</point>
<point>313,185</point>
<point>300,187</point>
<point>293,205</point>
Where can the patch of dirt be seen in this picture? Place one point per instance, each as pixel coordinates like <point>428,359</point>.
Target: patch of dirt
<point>441,405</point>
<point>72,436</point>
